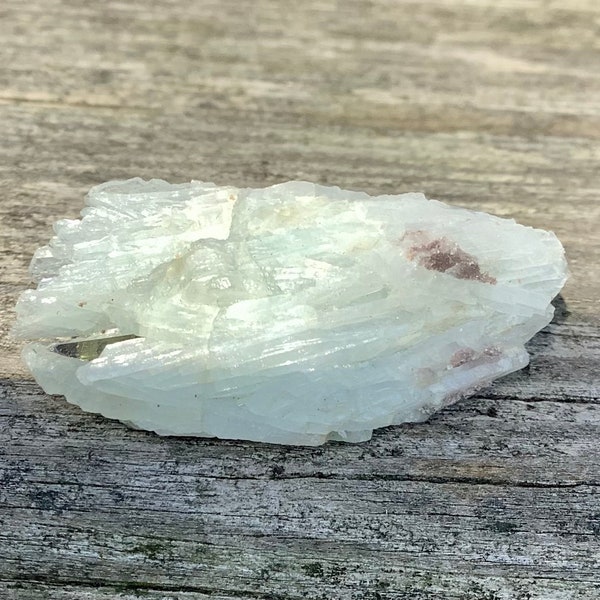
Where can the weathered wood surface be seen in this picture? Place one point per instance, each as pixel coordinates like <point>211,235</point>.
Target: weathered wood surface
<point>493,104</point>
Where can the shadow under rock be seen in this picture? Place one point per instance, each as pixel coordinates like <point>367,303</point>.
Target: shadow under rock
<point>561,311</point>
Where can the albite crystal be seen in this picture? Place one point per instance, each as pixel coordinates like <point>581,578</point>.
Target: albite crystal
<point>293,314</point>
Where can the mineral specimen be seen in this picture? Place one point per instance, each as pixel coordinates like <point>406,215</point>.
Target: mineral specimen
<point>293,314</point>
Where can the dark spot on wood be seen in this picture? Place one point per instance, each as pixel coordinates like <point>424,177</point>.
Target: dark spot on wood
<point>502,527</point>
<point>152,550</point>
<point>277,471</point>
<point>47,500</point>
<point>117,496</point>
<point>594,523</point>
<point>314,569</point>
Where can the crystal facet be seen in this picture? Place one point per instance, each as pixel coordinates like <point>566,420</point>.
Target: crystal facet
<point>293,314</point>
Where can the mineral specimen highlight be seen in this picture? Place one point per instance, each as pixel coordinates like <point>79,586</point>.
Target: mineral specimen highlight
<point>293,314</point>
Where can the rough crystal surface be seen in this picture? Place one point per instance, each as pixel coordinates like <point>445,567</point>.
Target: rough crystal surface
<point>293,314</point>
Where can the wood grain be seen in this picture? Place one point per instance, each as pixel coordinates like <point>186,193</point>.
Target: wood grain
<point>489,105</point>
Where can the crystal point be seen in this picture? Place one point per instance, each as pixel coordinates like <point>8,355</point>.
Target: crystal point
<point>292,314</point>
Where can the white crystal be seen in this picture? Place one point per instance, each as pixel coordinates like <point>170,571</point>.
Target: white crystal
<point>292,314</point>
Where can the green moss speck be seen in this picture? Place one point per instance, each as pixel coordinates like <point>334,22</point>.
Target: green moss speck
<point>151,550</point>
<point>314,569</point>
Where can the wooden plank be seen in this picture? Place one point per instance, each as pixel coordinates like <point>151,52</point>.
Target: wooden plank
<point>490,105</point>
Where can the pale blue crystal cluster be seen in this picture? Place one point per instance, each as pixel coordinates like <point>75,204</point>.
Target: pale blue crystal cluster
<point>293,314</point>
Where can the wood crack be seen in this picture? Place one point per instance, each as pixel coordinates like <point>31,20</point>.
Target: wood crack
<point>139,586</point>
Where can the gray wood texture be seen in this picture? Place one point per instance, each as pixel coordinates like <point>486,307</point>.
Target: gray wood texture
<point>489,104</point>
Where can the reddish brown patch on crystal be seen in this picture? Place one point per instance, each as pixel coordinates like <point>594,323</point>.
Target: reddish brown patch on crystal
<point>445,256</point>
<point>462,356</point>
<point>491,353</point>
<point>468,355</point>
